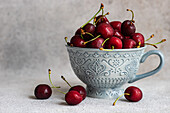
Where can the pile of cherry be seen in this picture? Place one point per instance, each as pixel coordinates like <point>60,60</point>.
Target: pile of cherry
<point>76,94</point>
<point>103,34</point>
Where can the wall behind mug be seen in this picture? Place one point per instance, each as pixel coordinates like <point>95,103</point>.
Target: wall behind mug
<point>32,32</point>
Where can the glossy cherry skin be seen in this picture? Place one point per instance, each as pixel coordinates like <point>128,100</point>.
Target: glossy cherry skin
<point>101,19</point>
<point>97,43</point>
<point>116,25</point>
<point>42,91</point>
<point>73,97</point>
<point>128,28</point>
<point>113,41</point>
<point>135,94</point>
<point>105,30</point>
<point>80,89</point>
<point>77,41</point>
<point>128,43</point>
<point>138,37</point>
<point>118,34</point>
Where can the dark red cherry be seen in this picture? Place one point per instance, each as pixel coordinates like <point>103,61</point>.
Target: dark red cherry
<point>80,89</point>
<point>118,34</point>
<point>105,30</point>
<point>73,97</point>
<point>101,19</point>
<point>77,41</point>
<point>113,42</point>
<point>128,43</point>
<point>42,91</point>
<point>135,94</point>
<point>78,32</point>
<point>116,25</point>
<point>97,43</point>
<point>128,28</point>
<point>138,37</point>
<point>90,28</point>
<point>126,37</point>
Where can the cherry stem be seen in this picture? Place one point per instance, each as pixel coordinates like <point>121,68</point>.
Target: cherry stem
<point>91,40</point>
<point>105,41</point>
<point>65,80</point>
<point>139,45</point>
<point>119,98</point>
<point>89,34</point>
<point>49,71</point>
<point>150,37</point>
<point>163,40</point>
<point>102,49</point>
<point>101,7</point>
<point>102,17</point>
<point>94,20</point>
<point>132,15</point>
<point>151,45</point>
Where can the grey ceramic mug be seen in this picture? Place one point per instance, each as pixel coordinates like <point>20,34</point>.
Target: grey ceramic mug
<point>105,72</point>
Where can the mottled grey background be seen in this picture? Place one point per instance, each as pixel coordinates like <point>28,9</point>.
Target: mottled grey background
<point>32,41</point>
<point>32,32</point>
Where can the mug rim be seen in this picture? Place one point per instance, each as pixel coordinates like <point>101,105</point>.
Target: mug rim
<point>95,49</point>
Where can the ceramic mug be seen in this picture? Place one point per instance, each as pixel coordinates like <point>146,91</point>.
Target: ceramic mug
<point>105,72</point>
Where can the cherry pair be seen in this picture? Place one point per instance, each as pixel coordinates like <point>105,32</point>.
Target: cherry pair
<point>73,97</point>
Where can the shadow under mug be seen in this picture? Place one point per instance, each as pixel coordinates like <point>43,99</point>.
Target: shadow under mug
<point>105,72</point>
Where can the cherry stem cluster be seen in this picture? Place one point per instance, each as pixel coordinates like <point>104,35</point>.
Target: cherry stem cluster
<point>49,71</point>
<point>101,7</point>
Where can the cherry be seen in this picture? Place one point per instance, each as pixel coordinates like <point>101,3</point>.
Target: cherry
<point>116,25</point>
<point>101,19</point>
<point>96,43</point>
<point>118,34</point>
<point>132,93</point>
<point>127,27</point>
<point>126,37</point>
<point>77,41</point>
<point>105,30</point>
<point>80,89</point>
<point>128,43</point>
<point>139,39</point>
<point>42,91</point>
<point>90,28</point>
<point>113,43</point>
<point>73,97</point>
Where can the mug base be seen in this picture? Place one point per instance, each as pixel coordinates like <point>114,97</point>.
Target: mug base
<point>104,93</point>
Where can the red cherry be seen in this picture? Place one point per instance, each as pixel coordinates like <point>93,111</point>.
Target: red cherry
<point>132,94</point>
<point>118,34</point>
<point>80,89</point>
<point>73,98</point>
<point>135,94</point>
<point>77,41</point>
<point>128,43</point>
<point>42,91</point>
<point>128,28</point>
<point>116,25</point>
<point>113,42</point>
<point>105,30</point>
<point>138,37</point>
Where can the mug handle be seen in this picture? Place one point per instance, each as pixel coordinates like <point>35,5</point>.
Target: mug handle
<point>156,52</point>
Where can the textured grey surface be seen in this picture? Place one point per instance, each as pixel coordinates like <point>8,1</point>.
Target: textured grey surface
<point>31,41</point>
